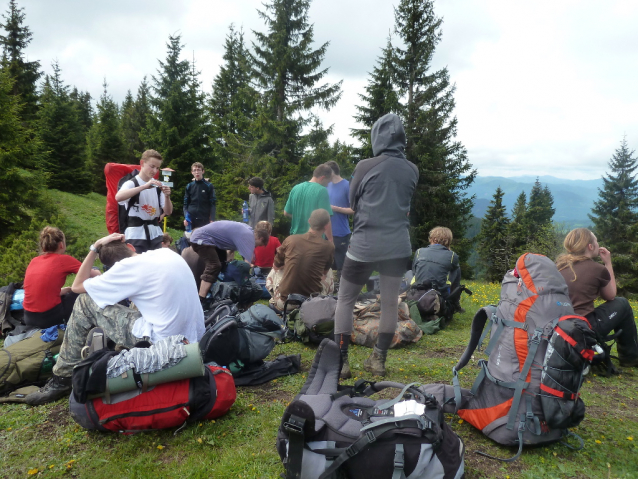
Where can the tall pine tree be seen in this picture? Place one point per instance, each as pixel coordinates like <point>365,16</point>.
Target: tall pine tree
<point>518,226</point>
<point>380,98</point>
<point>615,216</point>
<point>105,141</point>
<point>82,100</point>
<point>494,241</point>
<point>61,136</point>
<point>178,127</point>
<point>135,114</point>
<point>288,70</point>
<point>25,74</point>
<point>427,111</point>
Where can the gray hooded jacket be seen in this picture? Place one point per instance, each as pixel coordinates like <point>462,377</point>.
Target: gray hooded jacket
<point>380,195</point>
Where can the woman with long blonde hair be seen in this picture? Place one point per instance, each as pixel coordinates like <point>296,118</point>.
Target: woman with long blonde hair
<point>587,280</point>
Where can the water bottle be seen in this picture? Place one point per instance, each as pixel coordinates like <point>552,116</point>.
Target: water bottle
<point>244,212</point>
<point>189,227</point>
<point>47,363</point>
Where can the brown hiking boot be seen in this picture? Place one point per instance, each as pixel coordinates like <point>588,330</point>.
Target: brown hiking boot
<point>345,368</point>
<point>56,388</point>
<point>375,363</point>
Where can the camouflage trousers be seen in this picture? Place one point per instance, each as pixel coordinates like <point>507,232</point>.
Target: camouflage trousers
<point>116,321</point>
<point>274,279</point>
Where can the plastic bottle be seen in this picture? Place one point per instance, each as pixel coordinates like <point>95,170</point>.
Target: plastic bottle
<point>244,212</point>
<point>189,226</point>
<point>47,363</point>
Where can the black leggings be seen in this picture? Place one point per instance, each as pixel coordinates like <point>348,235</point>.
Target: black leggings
<point>56,315</point>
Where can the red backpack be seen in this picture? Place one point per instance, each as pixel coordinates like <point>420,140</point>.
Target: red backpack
<point>164,406</point>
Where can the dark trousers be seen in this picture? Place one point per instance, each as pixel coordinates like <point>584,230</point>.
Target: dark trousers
<point>341,248</point>
<point>213,257</point>
<point>613,316</point>
<point>57,315</point>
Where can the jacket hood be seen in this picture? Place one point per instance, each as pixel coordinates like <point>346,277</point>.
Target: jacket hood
<point>388,136</point>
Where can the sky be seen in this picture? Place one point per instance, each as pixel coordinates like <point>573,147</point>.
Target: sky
<point>542,88</point>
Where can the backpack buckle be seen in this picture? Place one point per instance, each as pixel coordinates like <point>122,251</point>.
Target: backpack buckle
<point>538,335</point>
<point>371,437</point>
<point>294,425</point>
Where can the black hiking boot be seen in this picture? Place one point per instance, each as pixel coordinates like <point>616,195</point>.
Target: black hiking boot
<point>56,388</point>
<point>345,366</point>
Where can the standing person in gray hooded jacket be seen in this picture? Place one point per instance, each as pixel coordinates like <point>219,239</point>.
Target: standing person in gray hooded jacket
<point>380,195</point>
<point>260,203</point>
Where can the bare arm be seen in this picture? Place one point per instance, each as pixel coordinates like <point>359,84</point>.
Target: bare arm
<point>608,292</point>
<point>287,214</point>
<point>344,211</point>
<point>124,195</point>
<point>85,271</point>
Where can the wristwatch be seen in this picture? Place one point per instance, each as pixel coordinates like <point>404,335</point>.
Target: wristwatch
<point>94,249</point>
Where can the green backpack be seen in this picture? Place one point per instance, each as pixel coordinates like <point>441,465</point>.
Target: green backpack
<point>27,362</point>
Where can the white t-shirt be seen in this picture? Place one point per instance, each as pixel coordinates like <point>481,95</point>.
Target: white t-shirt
<point>147,209</point>
<point>163,288</point>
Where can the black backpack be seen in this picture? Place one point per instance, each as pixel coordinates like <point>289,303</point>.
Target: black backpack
<point>123,211</point>
<point>331,431</point>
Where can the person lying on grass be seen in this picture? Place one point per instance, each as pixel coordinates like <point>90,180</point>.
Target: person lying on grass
<point>160,284</point>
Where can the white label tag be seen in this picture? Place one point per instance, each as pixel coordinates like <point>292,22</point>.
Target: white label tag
<point>405,408</point>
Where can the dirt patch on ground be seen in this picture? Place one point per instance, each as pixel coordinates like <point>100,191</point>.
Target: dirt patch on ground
<point>477,466</point>
<point>58,417</point>
<point>270,392</point>
<point>445,353</point>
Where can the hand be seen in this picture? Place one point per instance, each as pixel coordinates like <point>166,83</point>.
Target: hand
<point>166,190</point>
<point>64,291</point>
<point>107,239</point>
<point>153,182</point>
<point>605,255</point>
<point>185,223</point>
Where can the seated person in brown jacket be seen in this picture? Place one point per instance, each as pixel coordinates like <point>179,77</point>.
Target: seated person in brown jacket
<point>303,263</point>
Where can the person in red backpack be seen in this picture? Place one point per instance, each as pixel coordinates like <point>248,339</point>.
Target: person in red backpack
<point>587,280</point>
<point>46,302</point>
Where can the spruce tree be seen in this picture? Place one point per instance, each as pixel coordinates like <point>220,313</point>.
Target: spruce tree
<point>615,216</point>
<point>289,73</point>
<point>540,208</point>
<point>135,115</point>
<point>494,241</point>
<point>82,101</point>
<point>61,136</point>
<point>380,98</point>
<point>427,111</point>
<point>178,126</point>
<point>25,74</point>
<point>518,228</point>
<point>105,141</point>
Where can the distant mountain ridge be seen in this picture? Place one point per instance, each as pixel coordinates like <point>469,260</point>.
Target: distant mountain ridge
<point>573,199</point>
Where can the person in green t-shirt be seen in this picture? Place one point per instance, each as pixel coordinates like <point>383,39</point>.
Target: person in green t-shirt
<point>307,197</point>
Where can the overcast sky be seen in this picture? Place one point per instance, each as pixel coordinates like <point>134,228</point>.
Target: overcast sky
<point>542,87</point>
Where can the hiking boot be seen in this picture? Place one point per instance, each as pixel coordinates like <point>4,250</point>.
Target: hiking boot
<point>56,388</point>
<point>375,363</point>
<point>629,362</point>
<point>345,367</point>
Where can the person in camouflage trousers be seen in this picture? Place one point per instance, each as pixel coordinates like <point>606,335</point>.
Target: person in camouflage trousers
<point>116,322</point>
<point>158,282</point>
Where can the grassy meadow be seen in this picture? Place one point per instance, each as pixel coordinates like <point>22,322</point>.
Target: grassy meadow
<point>45,442</point>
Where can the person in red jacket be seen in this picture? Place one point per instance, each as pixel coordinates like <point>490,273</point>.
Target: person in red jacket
<point>265,255</point>
<point>46,302</point>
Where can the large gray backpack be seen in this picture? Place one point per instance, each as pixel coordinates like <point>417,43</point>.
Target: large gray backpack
<point>330,431</point>
<point>526,393</point>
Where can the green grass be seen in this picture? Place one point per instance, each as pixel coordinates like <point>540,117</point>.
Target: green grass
<point>242,443</point>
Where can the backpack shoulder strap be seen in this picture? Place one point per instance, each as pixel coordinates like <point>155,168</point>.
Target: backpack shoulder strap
<point>133,200</point>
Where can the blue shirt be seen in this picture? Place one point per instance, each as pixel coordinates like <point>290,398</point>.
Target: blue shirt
<point>339,196</point>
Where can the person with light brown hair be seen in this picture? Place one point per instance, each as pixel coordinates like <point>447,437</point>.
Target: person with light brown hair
<point>265,255</point>
<point>151,199</point>
<point>303,263</point>
<point>46,302</point>
<point>587,280</point>
<point>438,264</point>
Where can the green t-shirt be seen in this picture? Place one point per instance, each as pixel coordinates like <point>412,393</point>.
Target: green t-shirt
<point>303,200</point>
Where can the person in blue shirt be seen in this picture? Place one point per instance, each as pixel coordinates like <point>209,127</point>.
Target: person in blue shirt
<point>339,194</point>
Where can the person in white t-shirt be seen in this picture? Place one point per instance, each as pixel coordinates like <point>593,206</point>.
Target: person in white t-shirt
<point>143,230</point>
<point>158,282</point>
